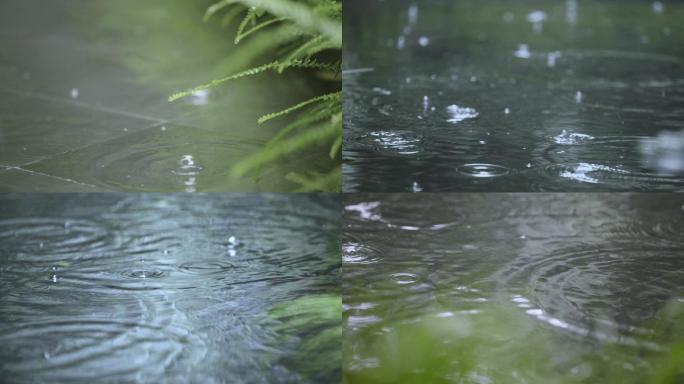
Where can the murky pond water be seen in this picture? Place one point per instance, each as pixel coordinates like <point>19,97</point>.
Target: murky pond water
<point>513,288</point>
<point>83,99</point>
<point>513,96</point>
<point>169,288</point>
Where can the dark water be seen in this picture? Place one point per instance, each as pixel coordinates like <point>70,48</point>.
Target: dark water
<point>83,100</point>
<point>514,95</point>
<point>164,288</point>
<point>512,288</point>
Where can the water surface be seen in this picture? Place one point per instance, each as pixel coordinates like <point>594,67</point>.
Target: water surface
<point>162,288</point>
<point>514,96</point>
<point>513,288</point>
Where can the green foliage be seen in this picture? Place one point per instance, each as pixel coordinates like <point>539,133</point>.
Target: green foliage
<point>317,319</point>
<point>504,345</point>
<point>306,35</point>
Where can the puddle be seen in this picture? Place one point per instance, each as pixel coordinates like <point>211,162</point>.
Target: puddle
<point>145,287</point>
<point>508,80</point>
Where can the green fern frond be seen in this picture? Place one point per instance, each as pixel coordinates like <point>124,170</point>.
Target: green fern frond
<point>315,181</point>
<point>215,8</point>
<point>250,16</point>
<point>317,99</point>
<point>335,148</point>
<point>316,114</point>
<point>213,83</point>
<point>257,27</point>
<point>295,143</point>
<point>302,16</point>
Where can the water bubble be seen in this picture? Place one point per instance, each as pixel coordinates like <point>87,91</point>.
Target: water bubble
<point>523,52</point>
<point>537,19</point>
<point>483,170</point>
<point>404,278</point>
<point>458,114</point>
<point>200,97</point>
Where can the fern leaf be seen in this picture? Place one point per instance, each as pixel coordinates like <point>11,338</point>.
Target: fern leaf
<point>213,83</point>
<point>271,116</point>
<point>302,16</point>
<point>285,147</point>
<point>257,27</point>
<point>249,17</point>
<point>335,148</point>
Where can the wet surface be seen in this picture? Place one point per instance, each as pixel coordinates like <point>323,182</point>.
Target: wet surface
<point>83,99</point>
<point>198,288</point>
<point>540,96</point>
<point>547,288</point>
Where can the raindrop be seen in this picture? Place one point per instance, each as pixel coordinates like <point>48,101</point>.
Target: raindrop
<point>413,14</point>
<point>74,93</point>
<point>423,41</point>
<point>578,97</point>
<point>401,42</point>
<point>507,111</point>
<point>657,7</point>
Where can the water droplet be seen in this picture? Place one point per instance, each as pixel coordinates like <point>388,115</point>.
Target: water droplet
<point>163,128</point>
<point>232,240</point>
<point>507,111</point>
<point>401,42</point>
<point>578,97</point>
<point>413,14</point>
<point>529,165</point>
<point>54,278</point>
<point>74,93</point>
<point>657,7</point>
<point>523,237</point>
<point>423,41</point>
<point>483,142</point>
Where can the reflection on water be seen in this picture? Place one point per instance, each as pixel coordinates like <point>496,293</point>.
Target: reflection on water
<point>508,84</point>
<point>556,287</point>
<point>193,288</point>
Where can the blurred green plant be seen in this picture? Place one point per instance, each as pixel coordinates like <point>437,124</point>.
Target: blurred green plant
<point>304,34</point>
<point>504,345</point>
<point>318,319</point>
